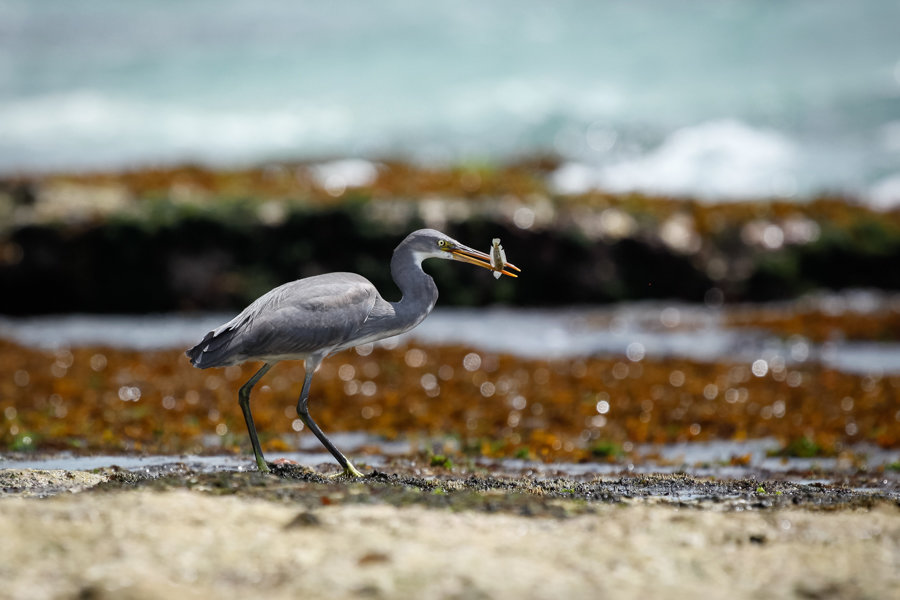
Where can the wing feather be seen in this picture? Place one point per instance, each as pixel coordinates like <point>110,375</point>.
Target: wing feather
<point>296,319</point>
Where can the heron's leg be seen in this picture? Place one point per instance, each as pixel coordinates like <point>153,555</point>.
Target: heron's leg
<point>303,412</point>
<point>244,401</point>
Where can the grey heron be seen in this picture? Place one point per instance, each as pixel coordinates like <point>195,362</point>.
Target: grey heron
<point>312,318</point>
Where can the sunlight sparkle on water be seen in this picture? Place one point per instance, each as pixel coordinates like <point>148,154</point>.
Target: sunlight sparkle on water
<point>21,378</point>
<point>523,218</point>
<point>472,361</point>
<point>635,351</point>
<point>670,317</point>
<point>98,362</point>
<point>415,358</point>
<point>760,368</point>
<point>346,372</point>
<point>129,393</point>
<point>428,381</point>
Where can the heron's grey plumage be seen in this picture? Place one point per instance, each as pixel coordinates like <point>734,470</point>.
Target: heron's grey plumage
<point>311,318</point>
<point>291,321</point>
<point>324,314</point>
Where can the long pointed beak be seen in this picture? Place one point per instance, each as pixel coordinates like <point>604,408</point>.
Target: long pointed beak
<point>480,259</point>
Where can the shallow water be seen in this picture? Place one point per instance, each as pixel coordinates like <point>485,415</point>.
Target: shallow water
<point>635,330</point>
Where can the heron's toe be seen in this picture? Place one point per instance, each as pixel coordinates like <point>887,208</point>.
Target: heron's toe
<point>350,471</point>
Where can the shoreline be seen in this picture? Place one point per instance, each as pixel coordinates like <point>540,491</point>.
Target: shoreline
<point>238,534</point>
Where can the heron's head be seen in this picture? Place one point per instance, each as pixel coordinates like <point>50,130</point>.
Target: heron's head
<point>429,243</point>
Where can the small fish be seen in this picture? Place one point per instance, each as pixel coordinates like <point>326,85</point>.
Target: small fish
<point>498,257</point>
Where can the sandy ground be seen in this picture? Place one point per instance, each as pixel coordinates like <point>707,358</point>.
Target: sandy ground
<point>144,542</point>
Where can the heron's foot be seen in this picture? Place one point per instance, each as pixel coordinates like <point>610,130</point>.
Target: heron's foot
<point>349,471</point>
<point>262,465</point>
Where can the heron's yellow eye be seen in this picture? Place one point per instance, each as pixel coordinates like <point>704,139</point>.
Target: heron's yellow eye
<point>442,243</point>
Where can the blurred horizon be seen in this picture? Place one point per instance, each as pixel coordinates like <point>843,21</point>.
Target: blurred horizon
<point>717,100</point>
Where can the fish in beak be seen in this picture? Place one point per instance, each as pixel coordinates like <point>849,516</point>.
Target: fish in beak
<point>480,259</point>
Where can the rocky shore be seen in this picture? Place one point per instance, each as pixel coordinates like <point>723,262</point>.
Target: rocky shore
<point>190,238</point>
<point>119,534</point>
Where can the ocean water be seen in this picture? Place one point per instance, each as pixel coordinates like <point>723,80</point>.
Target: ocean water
<point>717,99</point>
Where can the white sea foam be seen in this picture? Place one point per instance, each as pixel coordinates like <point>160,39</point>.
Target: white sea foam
<point>337,175</point>
<point>716,160</point>
<point>885,193</point>
<point>87,128</point>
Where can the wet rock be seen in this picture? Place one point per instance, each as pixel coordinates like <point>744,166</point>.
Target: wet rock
<point>40,483</point>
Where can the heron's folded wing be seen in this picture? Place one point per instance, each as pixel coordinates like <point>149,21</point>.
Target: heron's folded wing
<point>308,315</point>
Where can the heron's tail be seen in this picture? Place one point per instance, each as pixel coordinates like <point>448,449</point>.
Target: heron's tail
<point>214,350</point>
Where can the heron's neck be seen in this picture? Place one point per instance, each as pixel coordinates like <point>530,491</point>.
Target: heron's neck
<point>419,293</point>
